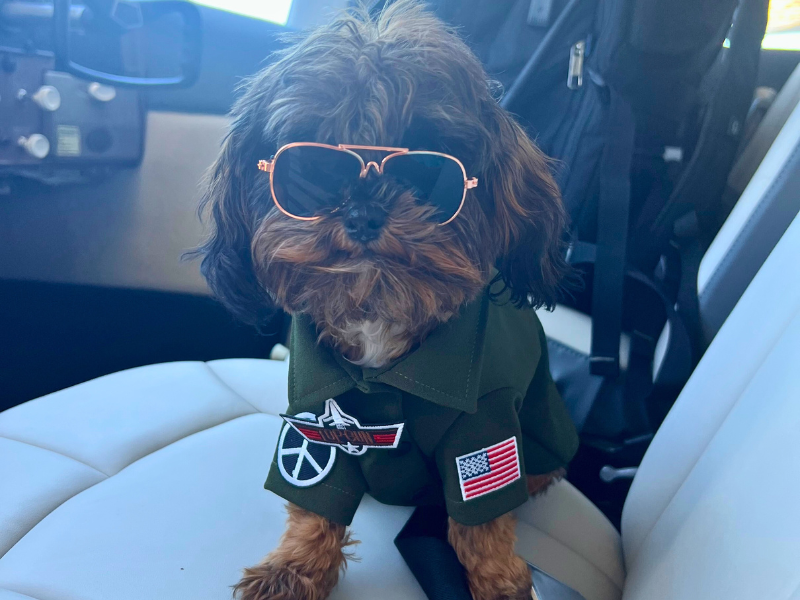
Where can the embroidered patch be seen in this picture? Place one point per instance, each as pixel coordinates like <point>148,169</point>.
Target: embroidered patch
<point>489,469</point>
<point>337,428</point>
<point>302,463</point>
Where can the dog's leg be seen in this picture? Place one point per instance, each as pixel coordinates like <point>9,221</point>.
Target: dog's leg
<point>538,484</point>
<point>494,571</point>
<point>304,566</point>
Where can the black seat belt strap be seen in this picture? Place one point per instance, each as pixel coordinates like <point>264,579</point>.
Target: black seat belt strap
<point>612,237</point>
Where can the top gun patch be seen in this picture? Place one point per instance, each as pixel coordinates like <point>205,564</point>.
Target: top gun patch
<point>337,428</point>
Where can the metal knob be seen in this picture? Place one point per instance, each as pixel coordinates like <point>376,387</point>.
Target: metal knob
<point>48,98</point>
<point>35,144</point>
<point>609,473</point>
<point>101,93</point>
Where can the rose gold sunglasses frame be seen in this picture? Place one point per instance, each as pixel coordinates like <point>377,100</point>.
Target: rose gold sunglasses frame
<point>269,166</point>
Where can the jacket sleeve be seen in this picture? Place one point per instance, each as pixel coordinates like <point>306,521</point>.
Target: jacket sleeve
<point>549,437</point>
<point>334,494</point>
<point>480,461</point>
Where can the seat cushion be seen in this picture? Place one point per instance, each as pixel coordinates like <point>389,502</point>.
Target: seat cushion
<point>567,536</point>
<point>149,484</point>
<point>713,510</point>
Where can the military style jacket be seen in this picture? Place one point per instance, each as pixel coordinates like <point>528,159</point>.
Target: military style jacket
<point>459,421</point>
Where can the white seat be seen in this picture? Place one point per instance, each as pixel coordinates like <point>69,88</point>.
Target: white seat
<point>148,483</point>
<point>714,511</point>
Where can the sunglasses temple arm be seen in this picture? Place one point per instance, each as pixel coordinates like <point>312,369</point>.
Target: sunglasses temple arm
<point>265,165</point>
<point>471,183</point>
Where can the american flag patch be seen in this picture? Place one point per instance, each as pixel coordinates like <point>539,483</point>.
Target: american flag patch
<point>489,469</point>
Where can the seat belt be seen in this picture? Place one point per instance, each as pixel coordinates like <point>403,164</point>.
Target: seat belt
<point>612,237</point>
<point>431,559</point>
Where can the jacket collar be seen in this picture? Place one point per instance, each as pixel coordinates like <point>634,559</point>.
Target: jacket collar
<point>445,369</point>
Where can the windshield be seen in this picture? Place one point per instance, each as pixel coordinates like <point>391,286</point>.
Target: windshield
<point>275,11</point>
<point>783,30</point>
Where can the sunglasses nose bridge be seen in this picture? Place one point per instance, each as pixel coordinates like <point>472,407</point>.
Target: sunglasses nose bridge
<point>366,168</point>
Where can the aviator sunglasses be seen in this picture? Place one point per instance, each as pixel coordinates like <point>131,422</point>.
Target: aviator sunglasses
<point>307,179</point>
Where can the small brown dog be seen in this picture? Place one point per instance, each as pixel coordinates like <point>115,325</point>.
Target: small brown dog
<point>409,225</point>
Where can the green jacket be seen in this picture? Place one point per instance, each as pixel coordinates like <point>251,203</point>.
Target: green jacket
<point>459,421</point>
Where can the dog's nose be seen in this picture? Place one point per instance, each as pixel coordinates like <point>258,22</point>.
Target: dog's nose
<point>363,223</point>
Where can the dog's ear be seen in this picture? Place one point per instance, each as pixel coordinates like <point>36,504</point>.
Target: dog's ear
<point>529,217</point>
<point>232,207</point>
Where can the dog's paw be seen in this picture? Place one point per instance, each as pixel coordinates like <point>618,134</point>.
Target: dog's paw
<point>268,581</point>
<point>509,581</point>
<point>506,592</point>
<point>509,591</point>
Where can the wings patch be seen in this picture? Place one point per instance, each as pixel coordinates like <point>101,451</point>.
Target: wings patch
<point>337,428</point>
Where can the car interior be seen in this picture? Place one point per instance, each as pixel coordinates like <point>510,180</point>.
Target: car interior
<point>138,417</point>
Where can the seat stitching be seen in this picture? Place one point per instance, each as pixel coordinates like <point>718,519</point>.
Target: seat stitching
<point>20,593</point>
<point>585,559</point>
<point>125,467</point>
<point>103,473</point>
<point>106,477</point>
<point>225,383</point>
<point>190,435</point>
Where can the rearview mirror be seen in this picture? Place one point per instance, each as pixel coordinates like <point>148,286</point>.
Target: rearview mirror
<point>136,44</point>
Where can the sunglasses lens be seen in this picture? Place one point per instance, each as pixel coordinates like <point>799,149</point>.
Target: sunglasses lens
<point>437,180</point>
<point>308,180</point>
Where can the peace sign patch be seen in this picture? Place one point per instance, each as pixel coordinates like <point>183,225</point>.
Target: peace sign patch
<point>303,463</point>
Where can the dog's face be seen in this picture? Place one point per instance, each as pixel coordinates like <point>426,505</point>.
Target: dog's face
<point>402,80</point>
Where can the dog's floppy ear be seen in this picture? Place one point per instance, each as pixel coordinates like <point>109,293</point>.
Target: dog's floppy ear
<point>232,205</point>
<point>529,217</point>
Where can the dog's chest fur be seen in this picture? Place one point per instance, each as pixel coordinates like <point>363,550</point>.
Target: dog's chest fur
<point>374,343</point>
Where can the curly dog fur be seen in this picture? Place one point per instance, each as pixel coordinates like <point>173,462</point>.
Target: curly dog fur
<point>399,79</point>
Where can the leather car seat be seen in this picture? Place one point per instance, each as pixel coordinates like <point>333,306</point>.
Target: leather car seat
<point>147,483</point>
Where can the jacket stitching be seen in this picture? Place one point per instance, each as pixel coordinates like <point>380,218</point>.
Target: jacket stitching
<point>333,487</point>
<point>430,387</point>
<point>472,356</point>
<point>294,380</point>
<point>322,389</point>
<point>339,490</point>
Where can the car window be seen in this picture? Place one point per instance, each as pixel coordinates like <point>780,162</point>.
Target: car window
<point>274,11</point>
<point>293,14</point>
<point>783,28</point>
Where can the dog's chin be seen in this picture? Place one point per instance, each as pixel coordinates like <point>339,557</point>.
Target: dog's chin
<point>399,286</point>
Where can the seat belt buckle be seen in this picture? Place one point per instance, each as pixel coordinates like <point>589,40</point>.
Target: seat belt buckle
<point>605,366</point>
<point>546,587</point>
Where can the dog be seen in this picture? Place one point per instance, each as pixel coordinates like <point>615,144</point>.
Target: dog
<point>372,187</point>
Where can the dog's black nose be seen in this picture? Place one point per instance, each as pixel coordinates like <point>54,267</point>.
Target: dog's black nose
<point>363,223</point>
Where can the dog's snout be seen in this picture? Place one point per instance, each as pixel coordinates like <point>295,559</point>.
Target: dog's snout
<point>364,222</point>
